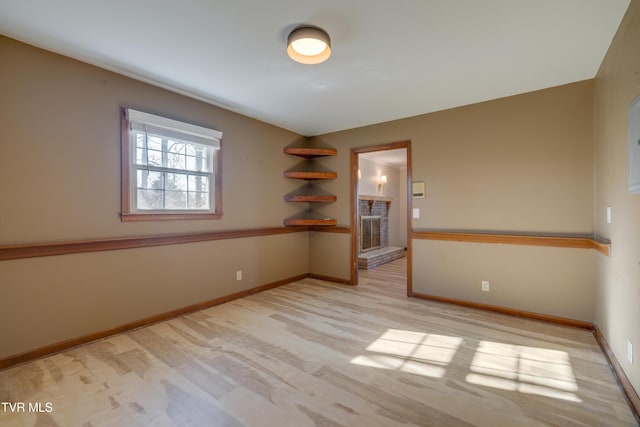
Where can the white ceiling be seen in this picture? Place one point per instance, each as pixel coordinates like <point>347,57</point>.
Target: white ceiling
<point>391,59</point>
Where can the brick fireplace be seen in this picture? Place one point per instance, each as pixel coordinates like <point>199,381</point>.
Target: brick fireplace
<point>373,233</point>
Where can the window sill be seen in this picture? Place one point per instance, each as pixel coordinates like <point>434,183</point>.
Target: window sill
<point>142,217</point>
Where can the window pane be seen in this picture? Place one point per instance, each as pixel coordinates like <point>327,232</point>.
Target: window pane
<point>206,153</point>
<point>141,148</point>
<point>175,161</point>
<point>141,156</point>
<point>154,158</point>
<point>191,163</point>
<point>140,140</point>
<point>176,147</point>
<point>199,183</point>
<point>155,142</point>
<point>176,181</point>
<point>198,200</point>
<point>197,164</point>
<point>175,200</point>
<point>198,158</point>
<point>149,179</point>
<point>149,199</point>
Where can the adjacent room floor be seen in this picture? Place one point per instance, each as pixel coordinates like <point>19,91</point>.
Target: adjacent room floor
<point>316,353</point>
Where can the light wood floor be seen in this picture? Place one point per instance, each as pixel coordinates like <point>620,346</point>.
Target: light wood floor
<point>315,353</point>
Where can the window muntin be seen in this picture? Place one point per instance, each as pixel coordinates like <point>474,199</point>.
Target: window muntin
<point>172,174</point>
<point>172,168</point>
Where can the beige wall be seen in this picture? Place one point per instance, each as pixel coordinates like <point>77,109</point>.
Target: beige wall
<point>45,300</point>
<point>518,164</point>
<point>554,281</point>
<point>618,276</point>
<point>60,181</point>
<point>60,151</point>
<point>330,252</point>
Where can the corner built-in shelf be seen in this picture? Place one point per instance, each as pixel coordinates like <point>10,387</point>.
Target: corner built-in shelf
<point>309,193</point>
<point>309,217</point>
<point>310,170</point>
<point>308,149</point>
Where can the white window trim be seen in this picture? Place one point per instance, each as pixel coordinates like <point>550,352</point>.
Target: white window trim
<point>170,127</point>
<point>134,120</point>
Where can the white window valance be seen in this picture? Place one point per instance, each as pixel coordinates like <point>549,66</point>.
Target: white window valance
<point>152,124</point>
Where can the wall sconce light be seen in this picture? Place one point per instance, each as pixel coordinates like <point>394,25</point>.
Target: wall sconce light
<point>381,183</point>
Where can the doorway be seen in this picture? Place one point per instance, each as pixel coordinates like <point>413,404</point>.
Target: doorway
<point>371,191</point>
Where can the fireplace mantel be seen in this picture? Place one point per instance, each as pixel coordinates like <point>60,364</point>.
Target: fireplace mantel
<point>372,199</point>
<point>375,198</point>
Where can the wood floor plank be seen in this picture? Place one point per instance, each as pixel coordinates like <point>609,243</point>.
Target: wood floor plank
<point>316,353</point>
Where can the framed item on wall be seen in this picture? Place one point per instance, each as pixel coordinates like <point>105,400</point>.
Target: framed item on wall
<point>418,190</point>
<point>633,138</point>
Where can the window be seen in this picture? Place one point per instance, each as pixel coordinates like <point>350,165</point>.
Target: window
<point>170,169</point>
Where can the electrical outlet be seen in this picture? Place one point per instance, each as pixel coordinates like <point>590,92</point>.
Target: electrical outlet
<point>239,275</point>
<point>485,285</point>
<point>630,351</point>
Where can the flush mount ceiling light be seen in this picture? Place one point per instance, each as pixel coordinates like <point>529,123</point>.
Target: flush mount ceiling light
<point>309,45</point>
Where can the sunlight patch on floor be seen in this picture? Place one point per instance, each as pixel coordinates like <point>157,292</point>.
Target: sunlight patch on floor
<point>531,370</point>
<point>413,352</point>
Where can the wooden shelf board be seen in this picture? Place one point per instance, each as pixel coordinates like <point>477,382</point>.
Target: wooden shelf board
<point>310,217</point>
<point>309,169</point>
<point>310,175</point>
<point>310,222</point>
<point>310,148</point>
<point>309,199</point>
<point>310,193</point>
<point>311,152</point>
